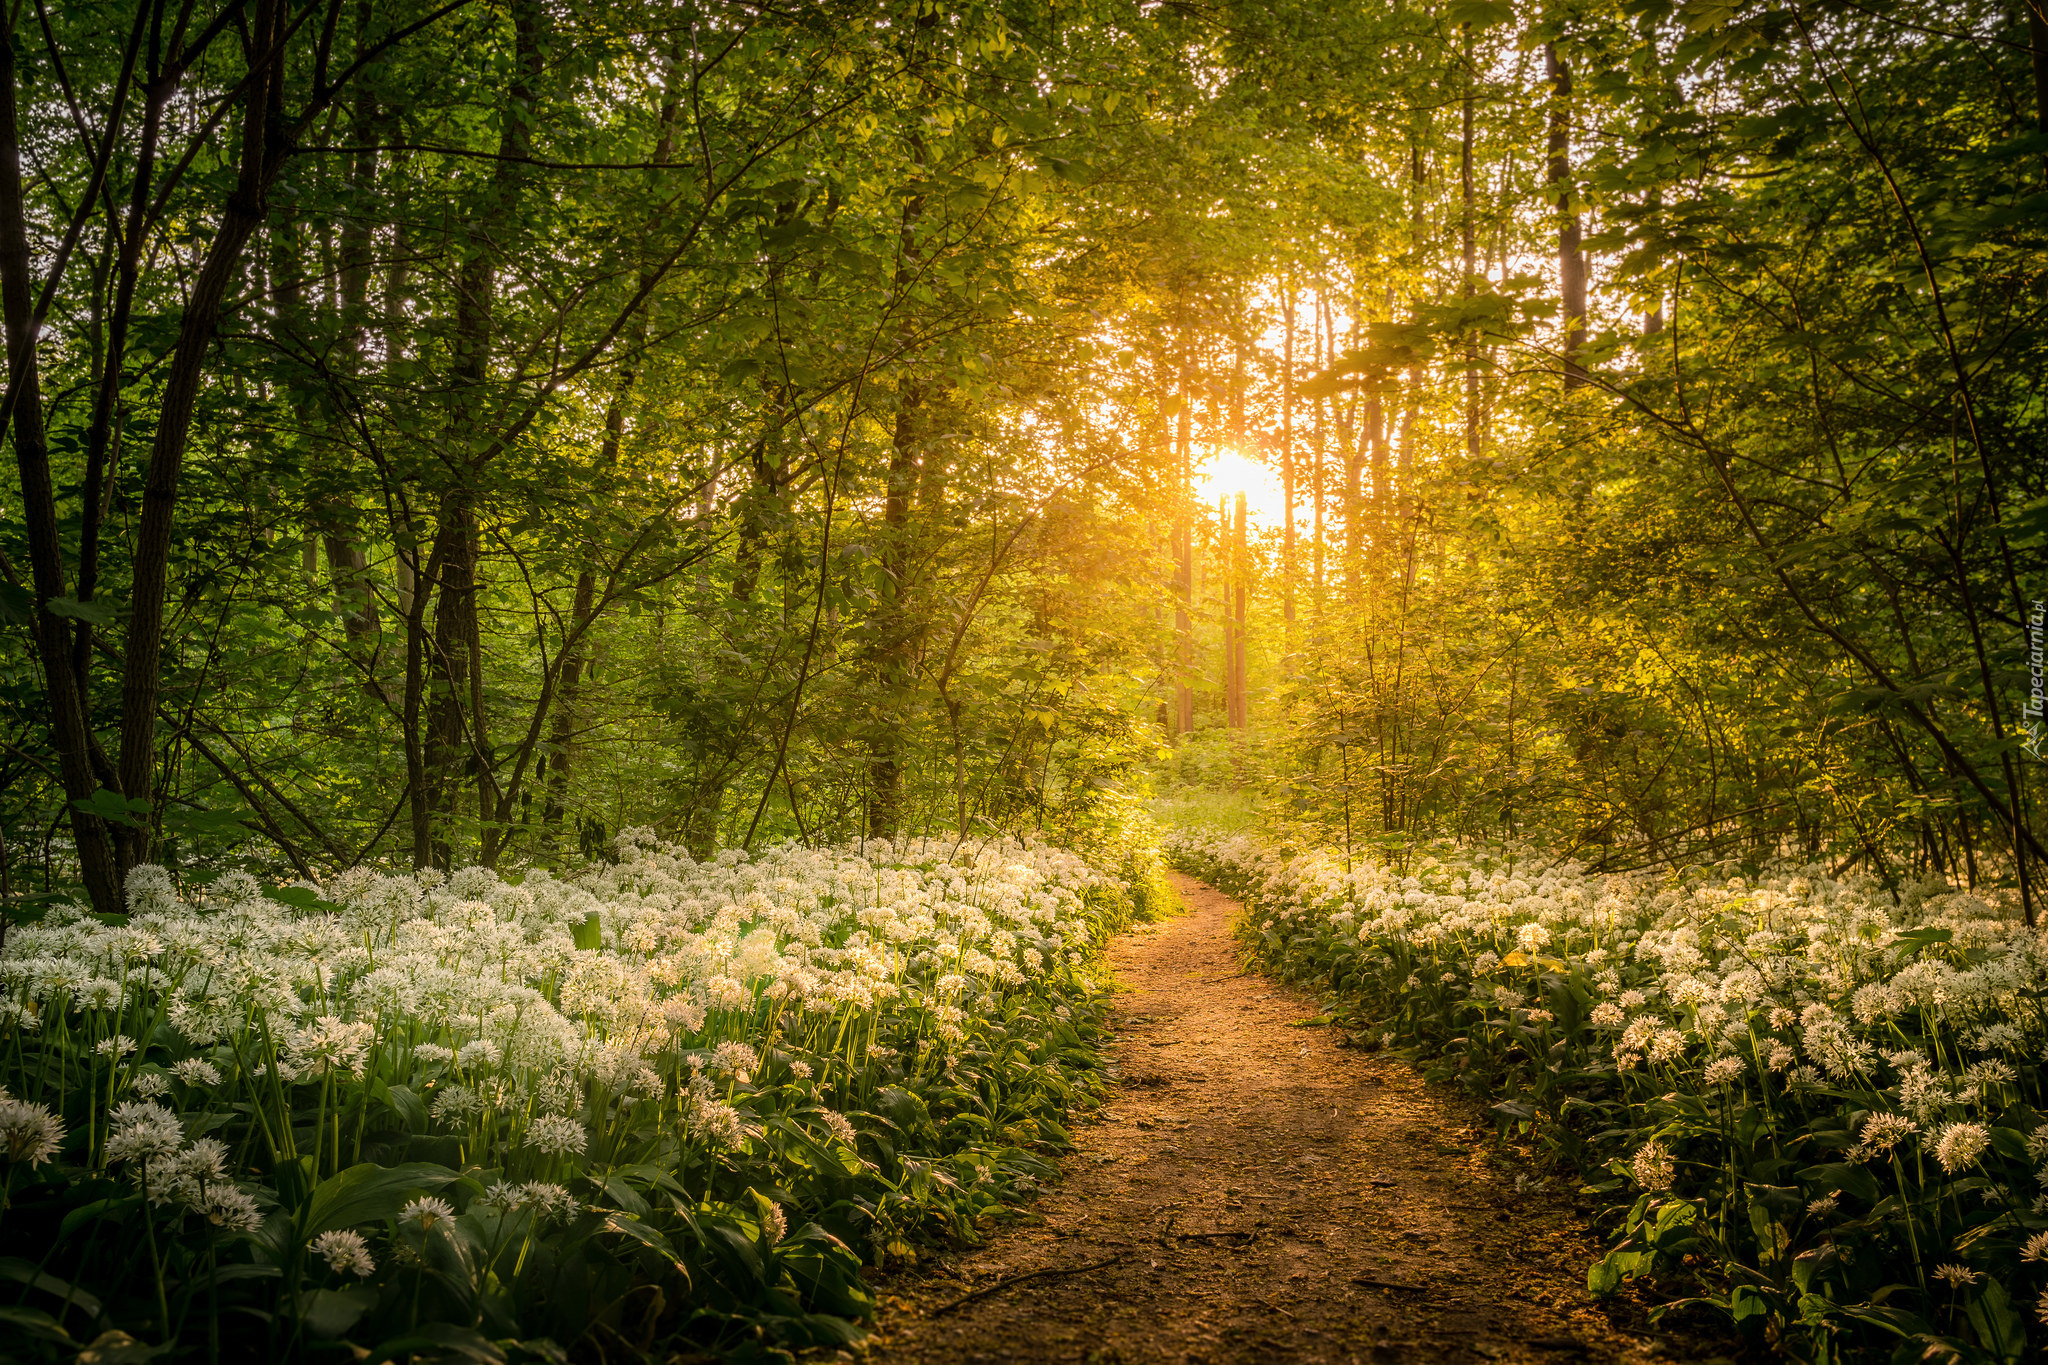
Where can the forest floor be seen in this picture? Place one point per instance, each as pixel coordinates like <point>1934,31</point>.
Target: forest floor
<point>1252,1191</point>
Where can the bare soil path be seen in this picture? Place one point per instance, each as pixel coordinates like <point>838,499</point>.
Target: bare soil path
<point>1260,1194</point>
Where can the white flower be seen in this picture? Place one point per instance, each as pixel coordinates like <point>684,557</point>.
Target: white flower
<point>841,1127</point>
<point>28,1132</point>
<point>1822,1207</point>
<point>425,1211</point>
<point>1723,1070</point>
<point>194,1071</point>
<point>1956,1275</point>
<point>143,1132</point>
<point>1881,1133</point>
<point>556,1136</point>
<point>150,1084</point>
<point>120,1045</point>
<point>1652,1166</point>
<point>344,1252</point>
<point>1960,1144</point>
<point>227,1208</point>
<point>2036,1248</point>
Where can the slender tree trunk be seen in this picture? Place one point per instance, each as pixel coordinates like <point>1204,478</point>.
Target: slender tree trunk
<point>1468,238</point>
<point>561,752</point>
<point>69,724</point>
<point>1240,576</point>
<point>142,656</point>
<point>355,600</point>
<point>1184,537</point>
<point>1321,491</point>
<point>1571,261</point>
<point>457,737</point>
<point>1287,551</point>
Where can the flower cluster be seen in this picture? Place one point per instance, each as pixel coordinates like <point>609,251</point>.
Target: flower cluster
<point>547,1055</point>
<point>1802,1063</point>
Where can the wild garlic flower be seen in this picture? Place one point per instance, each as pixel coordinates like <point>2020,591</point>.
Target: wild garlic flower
<point>1723,1070</point>
<point>1823,1206</point>
<point>1881,1133</point>
<point>345,1252</point>
<point>1960,1144</point>
<point>195,1071</point>
<point>557,1136</point>
<point>426,1212</point>
<point>1652,1166</point>
<point>840,1126</point>
<point>2036,1248</point>
<point>1956,1275</point>
<point>150,1084</point>
<point>29,1133</point>
<point>229,1209</point>
<point>120,1045</point>
<point>143,1132</point>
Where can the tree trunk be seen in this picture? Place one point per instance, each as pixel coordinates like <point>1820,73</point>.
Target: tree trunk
<point>1571,261</point>
<point>1468,239</point>
<point>1240,575</point>
<point>142,661</point>
<point>1184,556</point>
<point>457,737</point>
<point>1287,551</point>
<point>69,724</point>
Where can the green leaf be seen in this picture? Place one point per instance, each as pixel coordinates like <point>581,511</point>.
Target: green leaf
<point>589,935</point>
<point>35,1323</point>
<point>115,808</point>
<point>17,605</point>
<point>368,1193</point>
<point>29,1273</point>
<point>1999,1328</point>
<point>331,1312</point>
<point>1481,14</point>
<point>118,1348</point>
<point>92,613</point>
<point>438,1337</point>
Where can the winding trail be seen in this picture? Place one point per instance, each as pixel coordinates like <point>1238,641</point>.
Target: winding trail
<point>1261,1194</point>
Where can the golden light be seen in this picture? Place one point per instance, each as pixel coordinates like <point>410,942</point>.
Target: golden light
<point>1230,472</point>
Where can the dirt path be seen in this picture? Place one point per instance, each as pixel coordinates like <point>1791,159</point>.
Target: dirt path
<point>1262,1195</point>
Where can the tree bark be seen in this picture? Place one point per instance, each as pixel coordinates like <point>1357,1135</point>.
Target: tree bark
<point>1468,239</point>
<point>98,863</point>
<point>1571,261</point>
<point>457,738</point>
<point>142,657</point>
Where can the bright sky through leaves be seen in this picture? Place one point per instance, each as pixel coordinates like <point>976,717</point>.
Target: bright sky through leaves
<point>1230,472</point>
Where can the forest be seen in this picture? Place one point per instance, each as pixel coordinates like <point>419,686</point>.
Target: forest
<point>607,610</point>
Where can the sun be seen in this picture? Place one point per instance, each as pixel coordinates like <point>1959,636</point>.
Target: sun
<point>1229,472</point>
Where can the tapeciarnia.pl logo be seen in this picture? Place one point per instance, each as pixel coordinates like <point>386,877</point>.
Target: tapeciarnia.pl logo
<point>2030,709</point>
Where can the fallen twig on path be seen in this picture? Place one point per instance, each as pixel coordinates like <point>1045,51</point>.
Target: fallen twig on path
<point>1012,1280</point>
<point>1215,1236</point>
<point>1370,1283</point>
